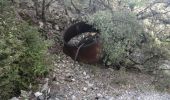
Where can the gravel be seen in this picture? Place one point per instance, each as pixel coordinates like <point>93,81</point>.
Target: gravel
<point>93,82</point>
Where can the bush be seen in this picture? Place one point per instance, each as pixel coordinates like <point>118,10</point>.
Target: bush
<point>120,32</point>
<point>22,54</point>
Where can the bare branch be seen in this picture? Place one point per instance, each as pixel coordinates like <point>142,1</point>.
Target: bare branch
<point>43,11</point>
<point>36,7</point>
<point>78,11</point>
<point>49,3</point>
<point>144,14</point>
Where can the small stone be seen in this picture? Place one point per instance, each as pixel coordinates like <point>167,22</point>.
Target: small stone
<point>84,73</point>
<point>57,27</point>
<point>54,78</point>
<point>56,64</point>
<point>85,89</point>
<point>24,94</point>
<point>90,85</point>
<point>41,24</point>
<point>167,72</point>
<point>37,94</point>
<point>99,95</point>
<point>73,79</point>
<point>14,98</point>
<point>109,98</point>
<point>57,99</point>
<point>73,97</point>
<point>57,83</point>
<point>165,67</point>
<point>45,87</point>
<point>108,63</point>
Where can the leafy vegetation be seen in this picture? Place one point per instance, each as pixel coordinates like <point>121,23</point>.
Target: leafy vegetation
<point>119,33</point>
<point>133,3</point>
<point>23,54</point>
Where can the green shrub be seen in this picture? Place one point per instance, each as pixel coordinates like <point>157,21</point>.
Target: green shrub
<point>119,31</point>
<point>23,54</point>
<point>134,3</point>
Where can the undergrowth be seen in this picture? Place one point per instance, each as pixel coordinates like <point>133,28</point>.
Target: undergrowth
<point>119,32</point>
<point>23,54</point>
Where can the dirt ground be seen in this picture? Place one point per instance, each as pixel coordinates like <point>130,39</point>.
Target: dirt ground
<point>94,82</point>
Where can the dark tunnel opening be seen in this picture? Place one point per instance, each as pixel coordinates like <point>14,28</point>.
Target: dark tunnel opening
<point>90,51</point>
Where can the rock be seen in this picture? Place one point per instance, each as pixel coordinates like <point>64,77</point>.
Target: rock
<point>165,67</point>
<point>54,77</point>
<point>56,99</point>
<point>73,97</point>
<point>99,95</point>
<point>108,63</point>
<point>85,89</point>
<point>56,27</point>
<point>24,94</point>
<point>109,98</point>
<point>41,24</point>
<point>37,94</point>
<point>73,79</point>
<point>45,87</point>
<point>14,98</point>
<point>84,73</point>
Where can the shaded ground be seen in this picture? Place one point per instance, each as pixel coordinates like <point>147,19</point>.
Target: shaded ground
<point>89,82</point>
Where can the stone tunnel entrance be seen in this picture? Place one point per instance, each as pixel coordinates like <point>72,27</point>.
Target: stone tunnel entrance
<point>87,47</point>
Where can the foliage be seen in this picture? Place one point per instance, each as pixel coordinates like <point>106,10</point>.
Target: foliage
<point>134,3</point>
<point>3,3</point>
<point>23,54</point>
<point>119,33</point>
<point>77,3</point>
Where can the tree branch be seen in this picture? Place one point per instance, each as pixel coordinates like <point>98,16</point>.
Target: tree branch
<point>77,10</point>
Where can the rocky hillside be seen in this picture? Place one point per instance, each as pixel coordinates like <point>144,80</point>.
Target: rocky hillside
<point>144,76</point>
